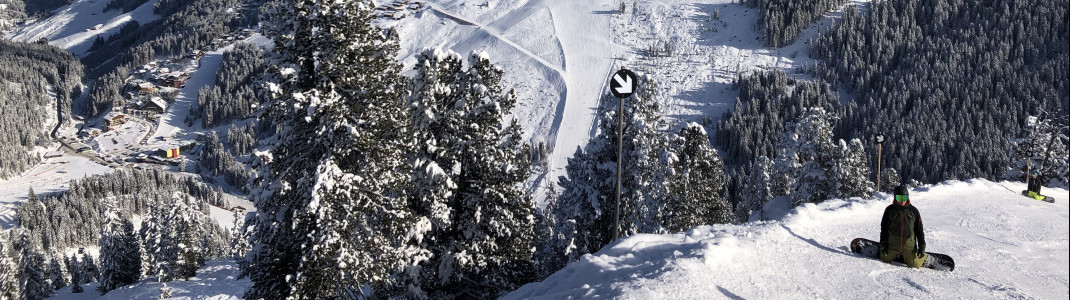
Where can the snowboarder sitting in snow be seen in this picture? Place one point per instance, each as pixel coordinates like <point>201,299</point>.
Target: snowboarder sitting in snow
<point>901,231</point>
<point>1034,185</point>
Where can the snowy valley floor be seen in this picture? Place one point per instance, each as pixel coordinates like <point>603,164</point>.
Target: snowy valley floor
<point>1005,246</point>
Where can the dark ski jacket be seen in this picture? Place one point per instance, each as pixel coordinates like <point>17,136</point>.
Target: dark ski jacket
<point>1034,184</point>
<point>901,228</point>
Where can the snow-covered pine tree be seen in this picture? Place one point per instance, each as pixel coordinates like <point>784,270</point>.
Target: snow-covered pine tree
<point>851,172</point>
<point>331,205</point>
<point>588,203</point>
<point>466,180</point>
<point>33,284</point>
<point>435,119</point>
<point>9,280</point>
<point>493,215</point>
<point>75,267</point>
<point>1030,149</point>
<point>151,236</point>
<point>239,243</point>
<point>810,141</point>
<point>56,274</point>
<point>757,189</point>
<point>90,272</point>
<point>120,257</point>
<point>889,180</point>
<point>694,189</point>
<point>547,261</point>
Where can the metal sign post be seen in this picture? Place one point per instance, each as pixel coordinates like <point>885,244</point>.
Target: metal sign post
<point>622,86</point>
<point>880,141</point>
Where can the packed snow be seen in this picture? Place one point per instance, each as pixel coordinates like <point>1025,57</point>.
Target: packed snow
<point>1004,245</point>
<point>73,27</point>
<point>217,280</point>
<point>51,175</point>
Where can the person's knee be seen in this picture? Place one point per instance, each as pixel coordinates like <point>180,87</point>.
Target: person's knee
<point>888,255</point>
<point>916,261</point>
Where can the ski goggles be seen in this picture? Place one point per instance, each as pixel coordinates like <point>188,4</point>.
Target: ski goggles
<point>902,198</point>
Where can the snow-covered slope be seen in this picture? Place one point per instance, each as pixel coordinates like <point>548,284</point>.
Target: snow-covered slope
<point>1005,247</point>
<point>216,280</point>
<point>73,27</point>
<point>558,55</point>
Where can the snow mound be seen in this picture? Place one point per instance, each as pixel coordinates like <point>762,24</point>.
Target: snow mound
<point>1005,246</point>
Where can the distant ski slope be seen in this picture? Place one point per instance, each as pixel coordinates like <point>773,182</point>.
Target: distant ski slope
<point>70,27</point>
<point>1005,246</point>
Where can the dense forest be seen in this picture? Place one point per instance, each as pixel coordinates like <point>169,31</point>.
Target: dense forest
<point>949,83</point>
<point>11,13</point>
<point>177,233</point>
<point>233,97</point>
<point>35,78</point>
<point>960,90</point>
<point>781,21</point>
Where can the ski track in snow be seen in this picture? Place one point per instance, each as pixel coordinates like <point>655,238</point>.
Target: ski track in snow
<point>70,26</point>
<point>805,254</point>
<point>558,55</point>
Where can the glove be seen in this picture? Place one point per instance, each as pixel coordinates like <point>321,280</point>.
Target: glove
<point>920,253</point>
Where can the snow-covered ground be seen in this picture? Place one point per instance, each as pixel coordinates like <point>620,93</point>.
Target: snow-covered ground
<point>1005,246</point>
<point>52,175</point>
<point>217,280</point>
<point>73,27</point>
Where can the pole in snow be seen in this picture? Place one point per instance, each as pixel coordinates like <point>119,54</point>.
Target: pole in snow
<point>880,140</point>
<point>622,85</point>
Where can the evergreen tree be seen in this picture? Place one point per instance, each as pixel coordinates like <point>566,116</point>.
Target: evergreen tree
<point>810,142</point>
<point>32,281</point>
<point>239,245</point>
<point>9,280</point>
<point>696,186</point>
<point>1041,138</point>
<point>588,204</point>
<point>76,274</point>
<point>852,171</point>
<point>331,208</point>
<point>56,274</point>
<point>120,257</point>
<point>476,204</point>
<point>90,272</point>
<point>757,190</point>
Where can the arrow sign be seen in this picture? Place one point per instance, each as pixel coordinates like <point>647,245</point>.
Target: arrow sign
<point>623,83</point>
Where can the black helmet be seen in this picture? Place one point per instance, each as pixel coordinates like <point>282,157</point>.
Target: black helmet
<point>902,190</point>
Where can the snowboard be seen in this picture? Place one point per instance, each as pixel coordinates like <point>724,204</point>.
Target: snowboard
<point>871,249</point>
<point>1046,198</point>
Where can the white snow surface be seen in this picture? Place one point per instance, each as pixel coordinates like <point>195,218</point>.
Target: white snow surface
<point>217,280</point>
<point>51,175</point>
<point>71,27</point>
<point>1005,246</point>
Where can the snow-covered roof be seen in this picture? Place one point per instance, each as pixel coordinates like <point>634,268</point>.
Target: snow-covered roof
<point>158,102</point>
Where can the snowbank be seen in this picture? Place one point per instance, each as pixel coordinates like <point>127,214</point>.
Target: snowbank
<point>1005,246</point>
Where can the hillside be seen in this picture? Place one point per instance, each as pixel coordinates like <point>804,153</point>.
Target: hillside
<point>1005,246</point>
